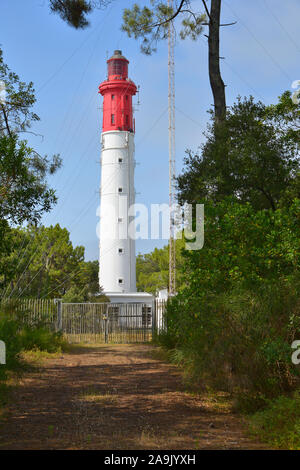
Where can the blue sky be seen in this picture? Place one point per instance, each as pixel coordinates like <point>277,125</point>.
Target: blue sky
<point>262,55</point>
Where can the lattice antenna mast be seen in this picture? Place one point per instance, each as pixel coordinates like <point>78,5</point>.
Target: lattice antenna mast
<point>171,103</point>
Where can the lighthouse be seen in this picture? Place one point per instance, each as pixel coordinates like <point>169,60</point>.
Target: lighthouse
<point>117,265</point>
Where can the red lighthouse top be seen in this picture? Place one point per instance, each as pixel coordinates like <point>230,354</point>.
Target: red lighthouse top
<point>117,92</point>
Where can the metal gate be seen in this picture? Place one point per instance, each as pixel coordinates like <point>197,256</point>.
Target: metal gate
<point>106,322</point>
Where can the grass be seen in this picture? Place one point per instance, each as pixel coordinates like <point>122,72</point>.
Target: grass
<point>5,389</point>
<point>274,421</point>
<point>36,357</point>
<point>148,440</point>
<point>279,424</point>
<point>212,399</point>
<point>26,346</point>
<point>123,337</point>
<point>160,354</point>
<point>41,339</point>
<point>92,395</point>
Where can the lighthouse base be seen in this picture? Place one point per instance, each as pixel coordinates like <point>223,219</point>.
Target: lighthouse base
<point>130,297</point>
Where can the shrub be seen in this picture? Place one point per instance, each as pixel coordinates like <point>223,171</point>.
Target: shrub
<point>239,341</point>
<point>9,334</point>
<point>239,311</point>
<point>19,337</point>
<point>279,423</point>
<point>41,338</point>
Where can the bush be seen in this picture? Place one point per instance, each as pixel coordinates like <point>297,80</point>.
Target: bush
<point>9,334</point>
<point>233,322</point>
<point>41,339</point>
<point>19,337</point>
<point>240,341</point>
<point>279,423</point>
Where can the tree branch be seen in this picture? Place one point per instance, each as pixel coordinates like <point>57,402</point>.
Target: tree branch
<point>206,9</point>
<point>6,120</point>
<point>268,196</point>
<point>229,24</point>
<point>171,17</point>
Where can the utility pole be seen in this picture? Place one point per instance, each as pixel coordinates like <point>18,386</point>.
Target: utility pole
<point>171,104</point>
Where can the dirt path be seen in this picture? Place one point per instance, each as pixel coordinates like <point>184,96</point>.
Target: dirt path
<point>114,397</point>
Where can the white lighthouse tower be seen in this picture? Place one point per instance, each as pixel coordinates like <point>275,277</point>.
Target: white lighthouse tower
<point>117,275</point>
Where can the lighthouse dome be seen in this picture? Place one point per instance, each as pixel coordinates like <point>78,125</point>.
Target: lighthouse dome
<point>118,55</point>
<point>118,66</point>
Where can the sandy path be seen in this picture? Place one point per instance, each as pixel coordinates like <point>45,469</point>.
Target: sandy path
<point>114,397</point>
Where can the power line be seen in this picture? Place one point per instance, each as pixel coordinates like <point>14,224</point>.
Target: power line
<point>242,79</point>
<point>81,215</point>
<point>188,117</point>
<point>74,52</point>
<point>77,219</point>
<point>259,43</point>
<point>20,261</point>
<point>68,278</point>
<point>75,94</point>
<point>27,285</point>
<point>281,26</point>
<point>67,113</point>
<point>72,275</point>
<point>23,272</point>
<point>152,127</point>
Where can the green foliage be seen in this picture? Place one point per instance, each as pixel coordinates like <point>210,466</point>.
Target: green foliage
<point>19,337</point>
<point>237,313</point>
<point>253,156</point>
<point>87,281</point>
<point>41,339</point>
<point>192,26</point>
<point>241,293</point>
<point>240,341</point>
<point>9,334</point>
<point>279,423</point>
<point>49,265</point>
<point>151,24</point>
<point>15,111</point>
<point>233,322</point>
<point>152,269</point>
<point>73,295</point>
<point>144,22</point>
<point>244,248</point>
<point>24,192</point>
<point>72,11</point>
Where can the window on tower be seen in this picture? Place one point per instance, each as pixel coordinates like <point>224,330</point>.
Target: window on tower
<point>121,281</point>
<point>120,190</point>
<point>127,119</point>
<point>113,119</point>
<point>112,97</point>
<point>126,97</point>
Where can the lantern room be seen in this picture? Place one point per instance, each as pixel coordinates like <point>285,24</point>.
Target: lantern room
<point>117,91</point>
<point>117,66</point>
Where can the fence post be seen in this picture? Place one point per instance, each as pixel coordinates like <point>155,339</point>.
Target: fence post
<point>2,352</point>
<point>154,324</point>
<point>105,318</point>
<point>58,302</point>
<point>165,318</point>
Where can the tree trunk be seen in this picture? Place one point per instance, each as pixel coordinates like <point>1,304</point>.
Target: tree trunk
<point>216,82</point>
